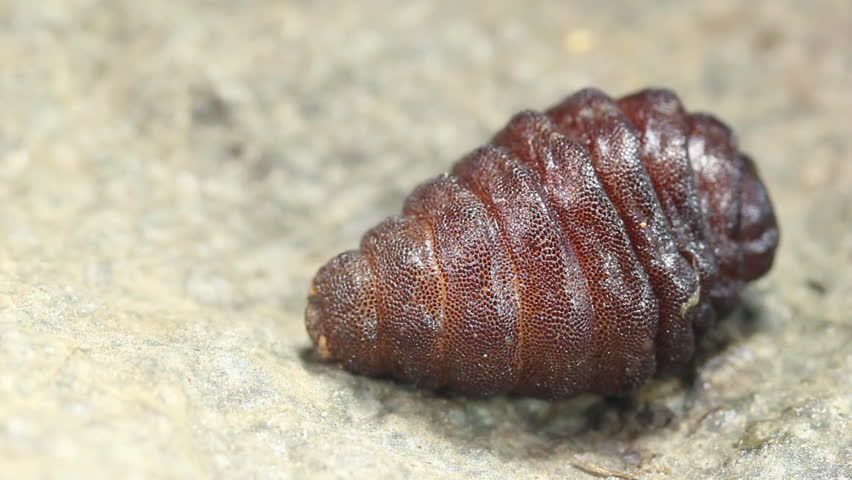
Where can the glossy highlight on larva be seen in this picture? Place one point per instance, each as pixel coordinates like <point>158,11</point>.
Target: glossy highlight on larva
<point>582,249</point>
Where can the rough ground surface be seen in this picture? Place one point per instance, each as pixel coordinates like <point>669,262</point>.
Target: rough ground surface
<point>172,174</point>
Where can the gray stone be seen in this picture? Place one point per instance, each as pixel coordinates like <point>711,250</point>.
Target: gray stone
<point>172,174</point>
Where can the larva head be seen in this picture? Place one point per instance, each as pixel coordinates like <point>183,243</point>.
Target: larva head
<point>758,228</point>
<point>738,214</point>
<point>341,313</point>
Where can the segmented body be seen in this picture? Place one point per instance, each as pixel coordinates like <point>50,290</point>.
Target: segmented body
<point>581,250</point>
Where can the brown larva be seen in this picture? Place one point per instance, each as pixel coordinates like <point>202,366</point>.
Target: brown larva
<point>581,250</point>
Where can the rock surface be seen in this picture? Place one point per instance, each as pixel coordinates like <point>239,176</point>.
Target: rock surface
<point>172,174</point>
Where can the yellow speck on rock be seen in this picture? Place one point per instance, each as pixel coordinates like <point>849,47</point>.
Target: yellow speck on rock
<point>578,41</point>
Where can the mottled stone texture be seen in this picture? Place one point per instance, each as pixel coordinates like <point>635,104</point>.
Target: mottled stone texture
<point>173,173</point>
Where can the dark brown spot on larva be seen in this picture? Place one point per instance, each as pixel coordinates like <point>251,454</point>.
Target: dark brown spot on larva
<point>581,250</point>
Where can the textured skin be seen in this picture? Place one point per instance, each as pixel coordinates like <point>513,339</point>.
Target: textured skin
<point>582,250</point>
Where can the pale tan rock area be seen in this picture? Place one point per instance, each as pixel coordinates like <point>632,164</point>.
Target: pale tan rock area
<point>172,173</point>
